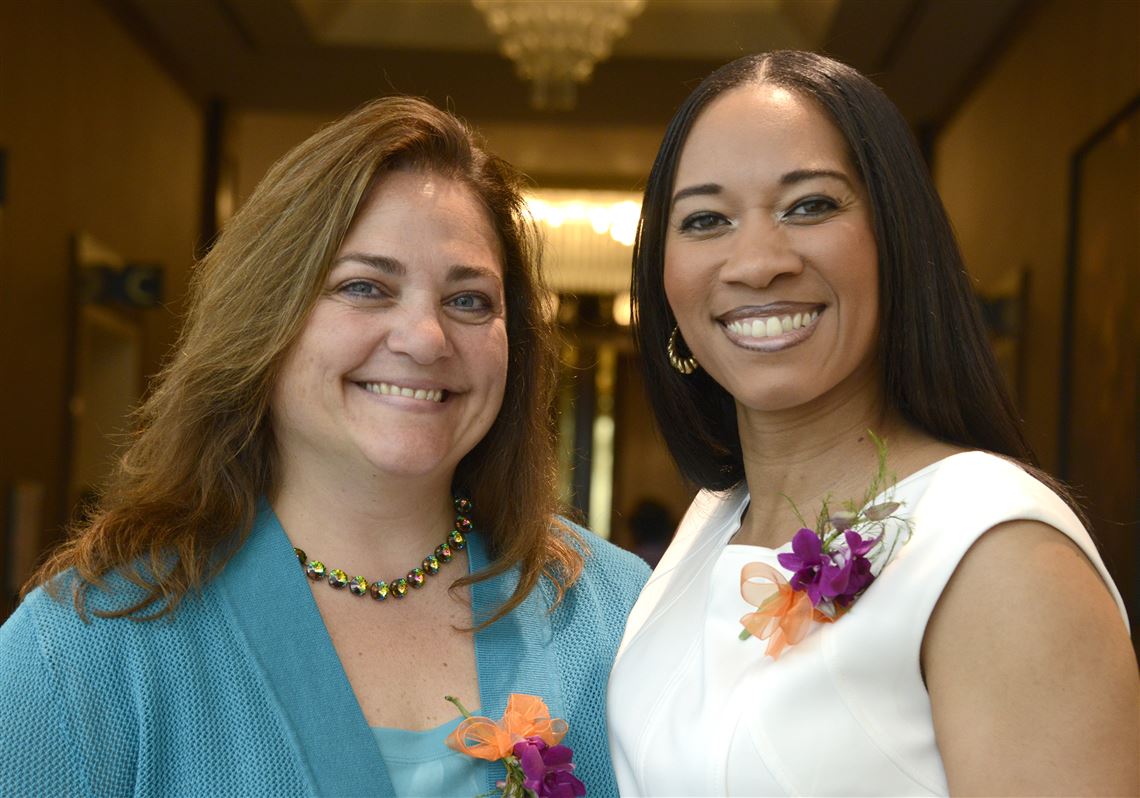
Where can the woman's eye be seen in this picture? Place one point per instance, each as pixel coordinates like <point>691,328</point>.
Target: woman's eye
<point>701,221</point>
<point>360,288</point>
<point>471,302</point>
<point>362,291</point>
<point>812,207</point>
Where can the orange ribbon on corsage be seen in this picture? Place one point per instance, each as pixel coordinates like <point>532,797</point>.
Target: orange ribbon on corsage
<point>783,615</point>
<point>526,716</point>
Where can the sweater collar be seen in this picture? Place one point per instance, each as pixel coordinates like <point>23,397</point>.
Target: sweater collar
<point>287,641</point>
<point>305,678</point>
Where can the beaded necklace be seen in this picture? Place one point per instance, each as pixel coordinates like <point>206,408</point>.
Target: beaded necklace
<point>398,588</point>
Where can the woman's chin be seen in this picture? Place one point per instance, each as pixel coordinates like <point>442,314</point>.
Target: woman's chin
<point>412,467</point>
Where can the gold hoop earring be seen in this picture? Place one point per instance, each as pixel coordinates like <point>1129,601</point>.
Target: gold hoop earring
<point>682,365</point>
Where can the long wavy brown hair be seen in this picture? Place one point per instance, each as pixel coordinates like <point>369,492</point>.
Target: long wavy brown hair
<point>184,495</point>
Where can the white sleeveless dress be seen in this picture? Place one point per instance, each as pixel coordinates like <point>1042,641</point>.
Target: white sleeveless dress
<point>694,711</point>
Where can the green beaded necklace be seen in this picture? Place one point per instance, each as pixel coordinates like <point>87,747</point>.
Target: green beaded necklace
<point>380,590</point>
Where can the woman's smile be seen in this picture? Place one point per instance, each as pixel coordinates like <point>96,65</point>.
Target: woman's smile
<point>406,391</point>
<point>770,329</point>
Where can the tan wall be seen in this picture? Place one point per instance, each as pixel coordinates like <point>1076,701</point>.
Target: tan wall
<point>1002,166</point>
<point>255,140</point>
<point>99,141</point>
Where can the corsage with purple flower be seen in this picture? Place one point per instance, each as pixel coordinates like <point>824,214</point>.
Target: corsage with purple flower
<point>528,742</point>
<point>832,564</point>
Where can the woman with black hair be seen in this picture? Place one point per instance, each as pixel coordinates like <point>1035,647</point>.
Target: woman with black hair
<point>808,330</point>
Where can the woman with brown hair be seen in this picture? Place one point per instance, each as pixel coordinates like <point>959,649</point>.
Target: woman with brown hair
<point>363,383</point>
<point>797,285</point>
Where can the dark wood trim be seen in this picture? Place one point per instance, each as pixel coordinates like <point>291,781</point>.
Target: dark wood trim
<point>1068,316</point>
<point>144,35</point>
<point>213,143</point>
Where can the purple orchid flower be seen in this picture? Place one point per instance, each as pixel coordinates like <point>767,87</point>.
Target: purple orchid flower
<point>807,561</point>
<point>848,570</point>
<point>547,769</point>
<point>838,575</point>
<point>860,576</point>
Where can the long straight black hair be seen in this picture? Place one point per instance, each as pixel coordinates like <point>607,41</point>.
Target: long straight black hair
<point>937,366</point>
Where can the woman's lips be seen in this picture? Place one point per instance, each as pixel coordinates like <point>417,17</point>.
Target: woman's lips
<point>435,395</point>
<point>769,331</point>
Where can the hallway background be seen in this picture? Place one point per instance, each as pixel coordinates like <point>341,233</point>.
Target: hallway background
<point>131,129</point>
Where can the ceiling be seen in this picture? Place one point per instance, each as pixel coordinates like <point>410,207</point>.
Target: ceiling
<point>327,56</point>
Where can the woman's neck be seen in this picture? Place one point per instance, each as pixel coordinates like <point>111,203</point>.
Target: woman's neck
<point>379,523</point>
<point>796,459</point>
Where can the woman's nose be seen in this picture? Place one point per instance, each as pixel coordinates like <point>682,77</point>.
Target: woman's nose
<point>419,332</point>
<point>759,252</point>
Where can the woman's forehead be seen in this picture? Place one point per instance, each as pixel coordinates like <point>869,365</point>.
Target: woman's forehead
<point>761,130</point>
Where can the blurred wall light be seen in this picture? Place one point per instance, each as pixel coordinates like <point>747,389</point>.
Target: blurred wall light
<point>623,309</point>
<point>618,219</point>
<point>589,236</point>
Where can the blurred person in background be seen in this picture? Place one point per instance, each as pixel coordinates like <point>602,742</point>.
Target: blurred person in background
<point>651,526</point>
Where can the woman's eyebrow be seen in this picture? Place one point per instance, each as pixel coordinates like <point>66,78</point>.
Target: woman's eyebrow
<point>799,175</point>
<point>381,263</point>
<point>463,271</point>
<point>704,189</point>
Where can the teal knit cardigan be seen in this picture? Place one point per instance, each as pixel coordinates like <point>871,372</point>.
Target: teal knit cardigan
<point>241,691</point>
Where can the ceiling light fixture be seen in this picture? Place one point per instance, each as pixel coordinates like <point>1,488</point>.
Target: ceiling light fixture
<point>555,44</point>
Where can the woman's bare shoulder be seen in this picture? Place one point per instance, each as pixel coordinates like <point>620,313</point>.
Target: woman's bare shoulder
<point>1031,675</point>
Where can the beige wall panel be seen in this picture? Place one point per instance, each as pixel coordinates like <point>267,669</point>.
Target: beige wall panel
<point>1002,166</point>
<point>99,140</point>
<point>255,140</point>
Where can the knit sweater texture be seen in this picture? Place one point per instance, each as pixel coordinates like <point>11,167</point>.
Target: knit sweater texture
<point>241,692</point>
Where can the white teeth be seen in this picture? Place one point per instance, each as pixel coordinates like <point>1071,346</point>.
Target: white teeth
<point>387,389</point>
<point>772,325</point>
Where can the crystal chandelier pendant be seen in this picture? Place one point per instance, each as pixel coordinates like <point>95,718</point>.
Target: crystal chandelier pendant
<point>555,44</point>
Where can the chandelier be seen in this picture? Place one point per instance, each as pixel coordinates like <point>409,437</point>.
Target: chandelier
<point>555,44</point>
